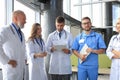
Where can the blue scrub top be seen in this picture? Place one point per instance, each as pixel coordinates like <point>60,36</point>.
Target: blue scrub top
<point>94,40</point>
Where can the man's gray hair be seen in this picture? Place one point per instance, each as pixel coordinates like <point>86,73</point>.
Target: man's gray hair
<point>18,12</point>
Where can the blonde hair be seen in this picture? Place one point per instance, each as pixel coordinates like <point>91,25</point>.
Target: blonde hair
<point>33,32</point>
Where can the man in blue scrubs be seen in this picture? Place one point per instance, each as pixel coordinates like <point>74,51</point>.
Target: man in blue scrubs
<point>88,64</point>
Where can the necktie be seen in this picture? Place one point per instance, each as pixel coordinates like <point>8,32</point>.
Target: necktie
<point>20,34</point>
<point>59,34</point>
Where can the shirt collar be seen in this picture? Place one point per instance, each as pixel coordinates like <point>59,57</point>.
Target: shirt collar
<point>92,33</point>
<point>59,32</point>
<point>15,26</point>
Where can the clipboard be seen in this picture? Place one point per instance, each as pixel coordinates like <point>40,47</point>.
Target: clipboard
<point>83,51</point>
<point>59,47</point>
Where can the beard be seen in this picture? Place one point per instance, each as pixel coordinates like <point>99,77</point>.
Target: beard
<point>20,25</point>
<point>87,29</point>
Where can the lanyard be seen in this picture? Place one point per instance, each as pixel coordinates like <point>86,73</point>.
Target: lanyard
<point>18,32</point>
<point>39,42</point>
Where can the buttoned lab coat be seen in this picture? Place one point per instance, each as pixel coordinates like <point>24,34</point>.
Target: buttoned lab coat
<point>12,48</point>
<point>36,65</point>
<point>60,62</point>
<point>115,65</point>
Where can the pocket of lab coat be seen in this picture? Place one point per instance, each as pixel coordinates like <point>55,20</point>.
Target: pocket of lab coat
<point>10,69</point>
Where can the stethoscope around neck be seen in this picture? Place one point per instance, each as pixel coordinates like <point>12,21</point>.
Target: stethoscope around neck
<point>81,37</point>
<point>118,39</point>
<point>64,32</point>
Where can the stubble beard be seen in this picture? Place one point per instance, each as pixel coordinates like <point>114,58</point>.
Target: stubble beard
<point>87,29</point>
<point>20,25</point>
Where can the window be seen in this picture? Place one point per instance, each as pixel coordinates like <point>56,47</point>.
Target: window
<point>97,13</point>
<point>116,10</point>
<point>95,0</point>
<point>2,12</point>
<point>86,1</point>
<point>86,10</point>
<point>30,17</point>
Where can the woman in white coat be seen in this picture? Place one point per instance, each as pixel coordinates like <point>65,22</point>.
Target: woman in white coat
<point>113,52</point>
<point>36,53</point>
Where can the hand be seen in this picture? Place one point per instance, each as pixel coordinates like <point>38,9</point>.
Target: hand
<point>113,51</point>
<point>40,55</point>
<point>13,63</point>
<point>26,61</point>
<point>44,54</point>
<point>83,57</point>
<point>65,50</point>
<point>89,50</point>
<point>115,57</point>
<point>116,53</point>
<point>53,49</point>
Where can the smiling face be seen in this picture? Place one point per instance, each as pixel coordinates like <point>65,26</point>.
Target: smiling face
<point>19,18</point>
<point>35,31</point>
<point>86,24</point>
<point>39,30</point>
<point>118,25</point>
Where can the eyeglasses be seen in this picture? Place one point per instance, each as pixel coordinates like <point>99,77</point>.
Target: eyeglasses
<point>85,23</point>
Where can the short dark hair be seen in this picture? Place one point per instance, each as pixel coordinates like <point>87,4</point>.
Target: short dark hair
<point>86,18</point>
<point>60,19</point>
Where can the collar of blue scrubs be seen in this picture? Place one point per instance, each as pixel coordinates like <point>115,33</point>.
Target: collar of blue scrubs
<point>92,33</point>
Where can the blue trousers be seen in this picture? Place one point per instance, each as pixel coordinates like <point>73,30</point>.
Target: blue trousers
<point>87,72</point>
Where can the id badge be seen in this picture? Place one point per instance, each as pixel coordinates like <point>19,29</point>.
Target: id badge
<point>81,40</point>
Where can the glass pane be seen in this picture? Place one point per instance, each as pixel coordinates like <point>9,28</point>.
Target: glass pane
<point>66,6</point>
<point>30,17</point>
<point>2,12</point>
<point>97,15</point>
<point>95,0</point>
<point>116,10</point>
<point>86,1</point>
<point>75,10</point>
<point>86,11</point>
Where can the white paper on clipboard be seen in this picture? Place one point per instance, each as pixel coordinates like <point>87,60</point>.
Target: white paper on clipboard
<point>83,51</point>
<point>59,47</point>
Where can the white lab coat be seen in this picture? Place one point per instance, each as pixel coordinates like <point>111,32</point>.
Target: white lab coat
<point>115,65</point>
<point>60,62</point>
<point>36,65</point>
<point>12,48</point>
